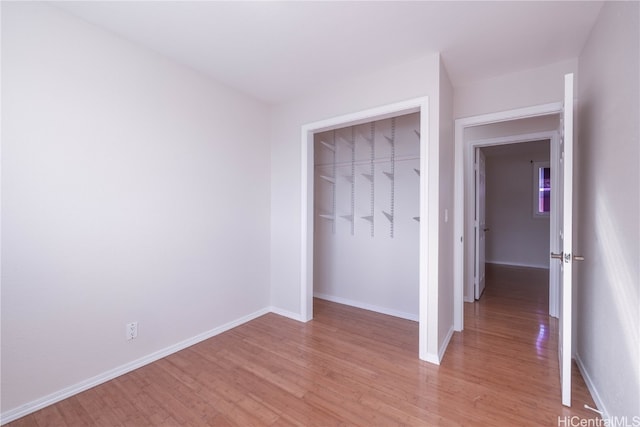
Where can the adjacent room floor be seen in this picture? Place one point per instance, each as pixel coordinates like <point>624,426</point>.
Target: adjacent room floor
<point>351,367</point>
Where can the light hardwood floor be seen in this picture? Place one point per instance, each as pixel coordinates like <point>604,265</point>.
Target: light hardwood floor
<point>350,367</point>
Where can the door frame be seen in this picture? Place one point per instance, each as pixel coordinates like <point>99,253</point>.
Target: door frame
<point>461,150</point>
<point>428,235</point>
<point>554,217</point>
<point>479,170</point>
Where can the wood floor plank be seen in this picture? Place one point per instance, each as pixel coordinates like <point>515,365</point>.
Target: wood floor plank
<point>133,388</point>
<point>350,367</point>
<point>74,414</point>
<point>49,416</point>
<point>101,414</point>
<point>291,408</point>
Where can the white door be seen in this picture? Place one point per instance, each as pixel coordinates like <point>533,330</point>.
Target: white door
<point>565,257</point>
<point>480,223</point>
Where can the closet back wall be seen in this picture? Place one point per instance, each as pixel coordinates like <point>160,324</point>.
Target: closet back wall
<point>366,229</point>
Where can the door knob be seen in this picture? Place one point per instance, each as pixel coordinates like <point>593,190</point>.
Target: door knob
<point>556,256</point>
<point>578,258</point>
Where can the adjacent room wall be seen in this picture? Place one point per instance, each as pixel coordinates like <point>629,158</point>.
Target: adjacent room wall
<point>515,236</point>
<point>608,229</point>
<point>133,189</point>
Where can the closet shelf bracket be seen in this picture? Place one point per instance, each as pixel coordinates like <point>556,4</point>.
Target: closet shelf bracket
<point>346,142</point>
<point>369,139</point>
<point>329,146</point>
<point>328,178</point>
<point>389,216</point>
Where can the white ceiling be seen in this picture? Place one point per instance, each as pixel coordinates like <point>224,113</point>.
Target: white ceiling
<point>277,51</point>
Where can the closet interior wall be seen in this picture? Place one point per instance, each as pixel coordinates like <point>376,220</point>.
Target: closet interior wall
<point>366,206</point>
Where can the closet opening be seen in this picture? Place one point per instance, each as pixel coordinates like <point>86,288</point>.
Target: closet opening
<point>367,215</point>
<point>365,239</point>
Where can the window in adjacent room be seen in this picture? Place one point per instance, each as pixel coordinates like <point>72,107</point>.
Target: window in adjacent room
<point>541,189</point>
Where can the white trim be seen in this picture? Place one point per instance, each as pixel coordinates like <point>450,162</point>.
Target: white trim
<point>554,227</point>
<point>444,345</point>
<point>306,223</point>
<point>566,288</point>
<point>505,116</point>
<point>286,313</point>
<point>67,392</point>
<point>458,217</point>
<point>428,328</point>
<point>592,388</point>
<point>370,307</point>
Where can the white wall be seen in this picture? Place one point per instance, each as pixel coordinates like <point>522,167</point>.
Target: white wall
<point>515,237</point>
<point>535,86</point>
<point>445,211</point>
<point>608,229</point>
<point>133,189</point>
<point>352,266</point>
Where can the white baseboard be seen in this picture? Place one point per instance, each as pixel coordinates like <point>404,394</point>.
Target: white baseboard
<point>518,264</point>
<point>431,358</point>
<point>592,388</point>
<point>66,392</point>
<point>365,306</point>
<point>445,344</point>
<point>287,313</point>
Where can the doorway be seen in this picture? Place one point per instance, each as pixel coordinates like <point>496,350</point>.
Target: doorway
<point>470,254</point>
<point>508,213</point>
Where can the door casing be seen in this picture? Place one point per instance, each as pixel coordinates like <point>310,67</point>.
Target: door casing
<point>480,222</point>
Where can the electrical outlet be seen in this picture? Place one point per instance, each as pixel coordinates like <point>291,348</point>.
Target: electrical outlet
<point>131,330</point>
